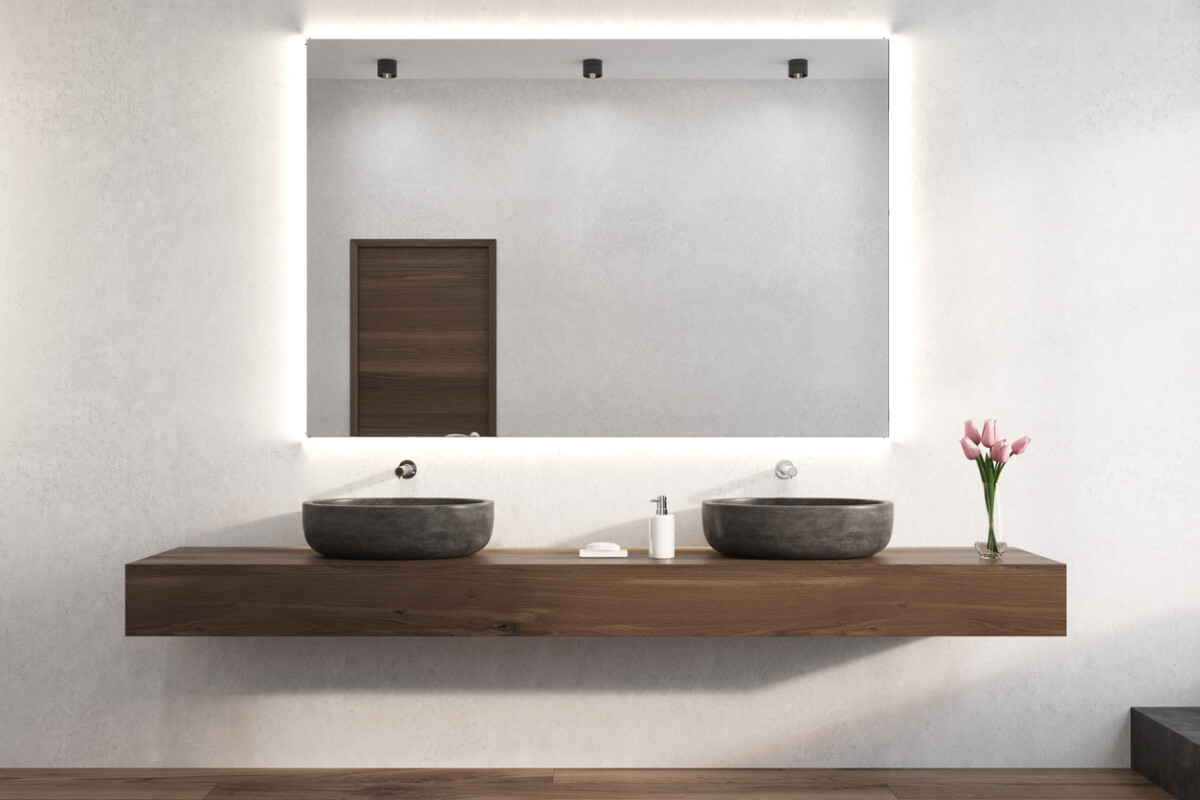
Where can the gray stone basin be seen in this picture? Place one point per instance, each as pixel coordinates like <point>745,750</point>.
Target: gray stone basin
<point>399,528</point>
<point>808,528</point>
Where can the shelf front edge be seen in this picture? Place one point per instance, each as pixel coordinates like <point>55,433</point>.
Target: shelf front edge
<point>282,592</point>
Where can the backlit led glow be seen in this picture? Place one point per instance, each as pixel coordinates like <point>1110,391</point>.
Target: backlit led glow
<point>706,449</point>
<point>902,295</point>
<point>294,242</point>
<point>664,29</point>
<point>902,300</point>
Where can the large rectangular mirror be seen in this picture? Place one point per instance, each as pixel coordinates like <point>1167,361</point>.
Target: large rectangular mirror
<point>692,244</point>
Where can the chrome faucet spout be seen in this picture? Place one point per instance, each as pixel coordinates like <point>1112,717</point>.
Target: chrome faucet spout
<point>785,470</point>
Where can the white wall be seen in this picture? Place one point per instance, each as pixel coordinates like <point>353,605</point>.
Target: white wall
<point>674,258</point>
<point>1046,190</point>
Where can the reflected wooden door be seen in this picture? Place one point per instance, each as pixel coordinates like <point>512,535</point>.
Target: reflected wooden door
<point>422,337</point>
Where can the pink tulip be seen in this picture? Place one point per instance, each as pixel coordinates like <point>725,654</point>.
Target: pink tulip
<point>988,437</point>
<point>970,449</point>
<point>1001,451</point>
<point>1020,444</point>
<point>972,431</point>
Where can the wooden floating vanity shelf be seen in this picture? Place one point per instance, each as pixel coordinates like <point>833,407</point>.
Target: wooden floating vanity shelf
<point>276,591</point>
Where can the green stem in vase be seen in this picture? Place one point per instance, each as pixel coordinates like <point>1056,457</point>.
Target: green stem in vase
<point>989,496</point>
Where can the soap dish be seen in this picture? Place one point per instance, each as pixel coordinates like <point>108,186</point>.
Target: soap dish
<point>603,550</point>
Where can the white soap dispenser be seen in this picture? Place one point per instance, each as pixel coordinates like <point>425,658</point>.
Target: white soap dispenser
<point>662,530</point>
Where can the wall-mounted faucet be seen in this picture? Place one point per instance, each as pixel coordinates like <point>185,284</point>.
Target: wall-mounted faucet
<point>406,470</point>
<point>785,470</point>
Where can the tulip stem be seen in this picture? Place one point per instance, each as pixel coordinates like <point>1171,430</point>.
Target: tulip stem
<point>989,496</point>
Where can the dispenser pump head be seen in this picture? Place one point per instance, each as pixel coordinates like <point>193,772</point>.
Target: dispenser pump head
<point>660,504</point>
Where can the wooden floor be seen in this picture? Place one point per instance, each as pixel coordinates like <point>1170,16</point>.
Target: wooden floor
<point>577,784</point>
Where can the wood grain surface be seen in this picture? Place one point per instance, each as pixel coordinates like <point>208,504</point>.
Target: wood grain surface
<point>552,592</point>
<point>577,784</point>
<point>422,337</point>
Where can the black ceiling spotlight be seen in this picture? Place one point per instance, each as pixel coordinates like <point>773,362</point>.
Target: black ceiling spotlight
<point>387,68</point>
<point>593,68</point>
<point>798,68</point>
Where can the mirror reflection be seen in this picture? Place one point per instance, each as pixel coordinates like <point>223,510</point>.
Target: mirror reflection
<point>692,244</point>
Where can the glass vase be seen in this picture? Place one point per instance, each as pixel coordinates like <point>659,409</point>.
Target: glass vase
<point>993,547</point>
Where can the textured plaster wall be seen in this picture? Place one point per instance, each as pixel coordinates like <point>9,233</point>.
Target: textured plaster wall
<point>1046,187</point>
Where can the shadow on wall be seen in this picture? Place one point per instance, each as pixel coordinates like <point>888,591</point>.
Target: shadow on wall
<point>960,697</point>
<point>932,705</point>
<point>883,723</point>
<point>253,666</point>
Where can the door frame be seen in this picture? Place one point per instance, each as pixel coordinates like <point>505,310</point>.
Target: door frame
<point>355,246</point>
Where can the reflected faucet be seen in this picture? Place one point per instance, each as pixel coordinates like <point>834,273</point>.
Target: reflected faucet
<point>785,470</point>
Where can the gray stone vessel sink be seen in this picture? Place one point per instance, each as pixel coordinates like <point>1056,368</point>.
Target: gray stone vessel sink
<point>800,528</point>
<point>398,528</point>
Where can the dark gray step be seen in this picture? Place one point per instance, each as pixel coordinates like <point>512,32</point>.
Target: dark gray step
<point>1164,745</point>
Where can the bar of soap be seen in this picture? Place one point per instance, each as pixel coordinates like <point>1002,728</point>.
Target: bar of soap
<point>603,550</point>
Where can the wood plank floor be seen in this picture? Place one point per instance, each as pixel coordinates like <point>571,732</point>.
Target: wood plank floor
<point>576,784</point>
